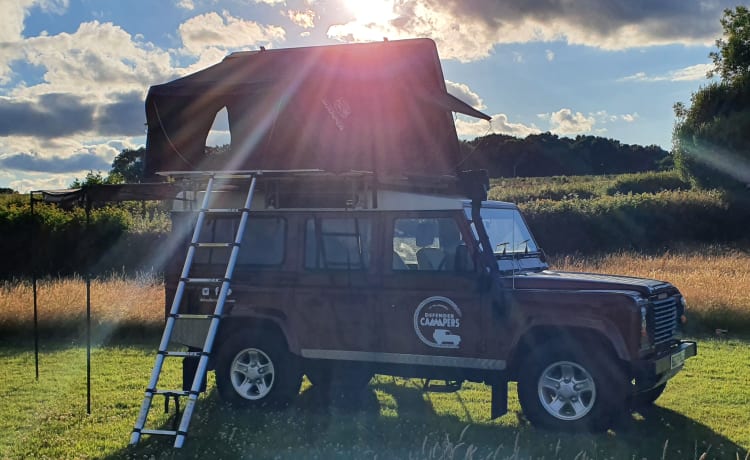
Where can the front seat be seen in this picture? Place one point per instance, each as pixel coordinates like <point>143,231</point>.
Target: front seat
<point>430,259</point>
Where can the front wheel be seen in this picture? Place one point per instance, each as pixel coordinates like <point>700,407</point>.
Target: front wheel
<point>647,398</point>
<point>571,391</point>
<point>256,372</point>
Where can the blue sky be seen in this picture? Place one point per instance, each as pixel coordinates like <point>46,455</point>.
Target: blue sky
<point>74,73</point>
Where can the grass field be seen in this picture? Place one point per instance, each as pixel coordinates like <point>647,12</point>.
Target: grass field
<point>703,410</point>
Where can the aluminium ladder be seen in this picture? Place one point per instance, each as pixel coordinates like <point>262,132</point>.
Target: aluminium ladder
<point>174,314</point>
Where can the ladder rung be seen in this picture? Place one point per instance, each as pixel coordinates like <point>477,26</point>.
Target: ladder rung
<point>193,316</point>
<point>182,354</point>
<point>233,176</point>
<point>159,432</point>
<point>203,280</point>
<point>213,245</point>
<point>171,392</point>
<point>224,210</point>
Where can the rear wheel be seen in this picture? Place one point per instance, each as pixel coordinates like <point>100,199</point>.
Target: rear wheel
<point>566,389</point>
<point>257,372</point>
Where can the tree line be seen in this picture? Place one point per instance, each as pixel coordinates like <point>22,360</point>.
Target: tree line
<point>547,154</point>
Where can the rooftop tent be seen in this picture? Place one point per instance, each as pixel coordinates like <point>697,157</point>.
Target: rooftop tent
<point>380,107</point>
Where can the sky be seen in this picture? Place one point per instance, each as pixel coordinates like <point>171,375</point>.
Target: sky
<point>74,73</point>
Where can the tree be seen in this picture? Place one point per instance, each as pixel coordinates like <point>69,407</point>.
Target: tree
<point>128,166</point>
<point>732,59</point>
<point>711,138</point>
<point>94,178</point>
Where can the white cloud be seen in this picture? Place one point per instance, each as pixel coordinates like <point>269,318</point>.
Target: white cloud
<point>214,31</point>
<point>550,55</point>
<point>302,18</point>
<point>691,73</point>
<point>469,31</point>
<point>463,92</point>
<point>12,21</point>
<point>93,62</point>
<point>45,181</point>
<point>565,122</point>
<point>186,4</point>
<point>271,2</point>
<point>499,124</point>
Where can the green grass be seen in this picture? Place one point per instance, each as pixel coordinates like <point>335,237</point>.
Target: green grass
<point>703,409</point>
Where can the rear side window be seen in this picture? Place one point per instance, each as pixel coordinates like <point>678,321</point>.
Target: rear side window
<point>262,245</point>
<point>338,243</point>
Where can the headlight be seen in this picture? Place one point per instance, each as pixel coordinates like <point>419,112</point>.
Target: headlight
<point>645,336</point>
<point>683,312</point>
<point>645,342</point>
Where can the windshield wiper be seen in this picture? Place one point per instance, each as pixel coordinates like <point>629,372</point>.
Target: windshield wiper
<point>504,245</point>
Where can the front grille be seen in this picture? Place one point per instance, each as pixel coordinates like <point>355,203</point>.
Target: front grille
<point>664,319</point>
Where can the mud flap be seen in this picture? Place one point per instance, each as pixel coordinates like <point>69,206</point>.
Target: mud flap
<point>189,368</point>
<point>499,404</point>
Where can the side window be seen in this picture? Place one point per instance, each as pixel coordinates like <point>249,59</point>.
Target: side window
<point>264,242</point>
<point>432,244</point>
<point>215,231</point>
<point>262,245</point>
<point>338,243</point>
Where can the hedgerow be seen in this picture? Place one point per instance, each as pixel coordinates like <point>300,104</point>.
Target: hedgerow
<point>635,221</point>
<point>585,215</point>
<point>53,240</point>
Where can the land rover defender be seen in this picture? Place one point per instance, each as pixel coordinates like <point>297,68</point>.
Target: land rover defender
<point>341,277</point>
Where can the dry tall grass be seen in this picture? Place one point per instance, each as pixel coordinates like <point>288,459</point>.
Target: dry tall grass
<point>714,280</point>
<point>116,299</point>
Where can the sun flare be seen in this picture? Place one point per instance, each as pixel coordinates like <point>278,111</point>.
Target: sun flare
<point>371,11</point>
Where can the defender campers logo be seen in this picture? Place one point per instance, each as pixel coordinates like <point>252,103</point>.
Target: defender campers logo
<point>436,322</point>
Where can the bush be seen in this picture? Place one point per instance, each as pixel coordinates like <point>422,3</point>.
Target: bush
<point>650,182</point>
<point>640,222</point>
<point>57,241</point>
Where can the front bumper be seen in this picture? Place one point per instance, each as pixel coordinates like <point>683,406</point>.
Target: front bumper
<point>654,372</point>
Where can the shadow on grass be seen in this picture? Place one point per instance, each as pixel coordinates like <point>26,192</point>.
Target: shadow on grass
<point>406,425</point>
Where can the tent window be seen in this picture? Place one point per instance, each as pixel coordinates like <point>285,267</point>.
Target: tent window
<point>219,138</point>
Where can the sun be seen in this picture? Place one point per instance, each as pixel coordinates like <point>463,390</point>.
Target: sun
<point>371,11</point>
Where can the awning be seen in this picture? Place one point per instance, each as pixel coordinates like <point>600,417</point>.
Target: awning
<point>100,193</point>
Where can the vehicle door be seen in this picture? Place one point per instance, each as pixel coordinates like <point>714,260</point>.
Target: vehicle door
<point>433,310</point>
<point>335,293</point>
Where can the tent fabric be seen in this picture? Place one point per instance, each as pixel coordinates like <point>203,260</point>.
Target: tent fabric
<point>380,107</point>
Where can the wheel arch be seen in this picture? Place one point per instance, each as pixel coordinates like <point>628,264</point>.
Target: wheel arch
<point>580,339</point>
<point>260,324</point>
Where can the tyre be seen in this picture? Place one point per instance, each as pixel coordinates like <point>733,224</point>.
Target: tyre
<point>647,398</point>
<point>257,371</point>
<point>565,389</point>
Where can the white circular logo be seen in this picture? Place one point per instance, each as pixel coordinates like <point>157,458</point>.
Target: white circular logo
<point>437,321</point>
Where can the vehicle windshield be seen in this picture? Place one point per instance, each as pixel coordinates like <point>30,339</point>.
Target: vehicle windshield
<point>508,232</point>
